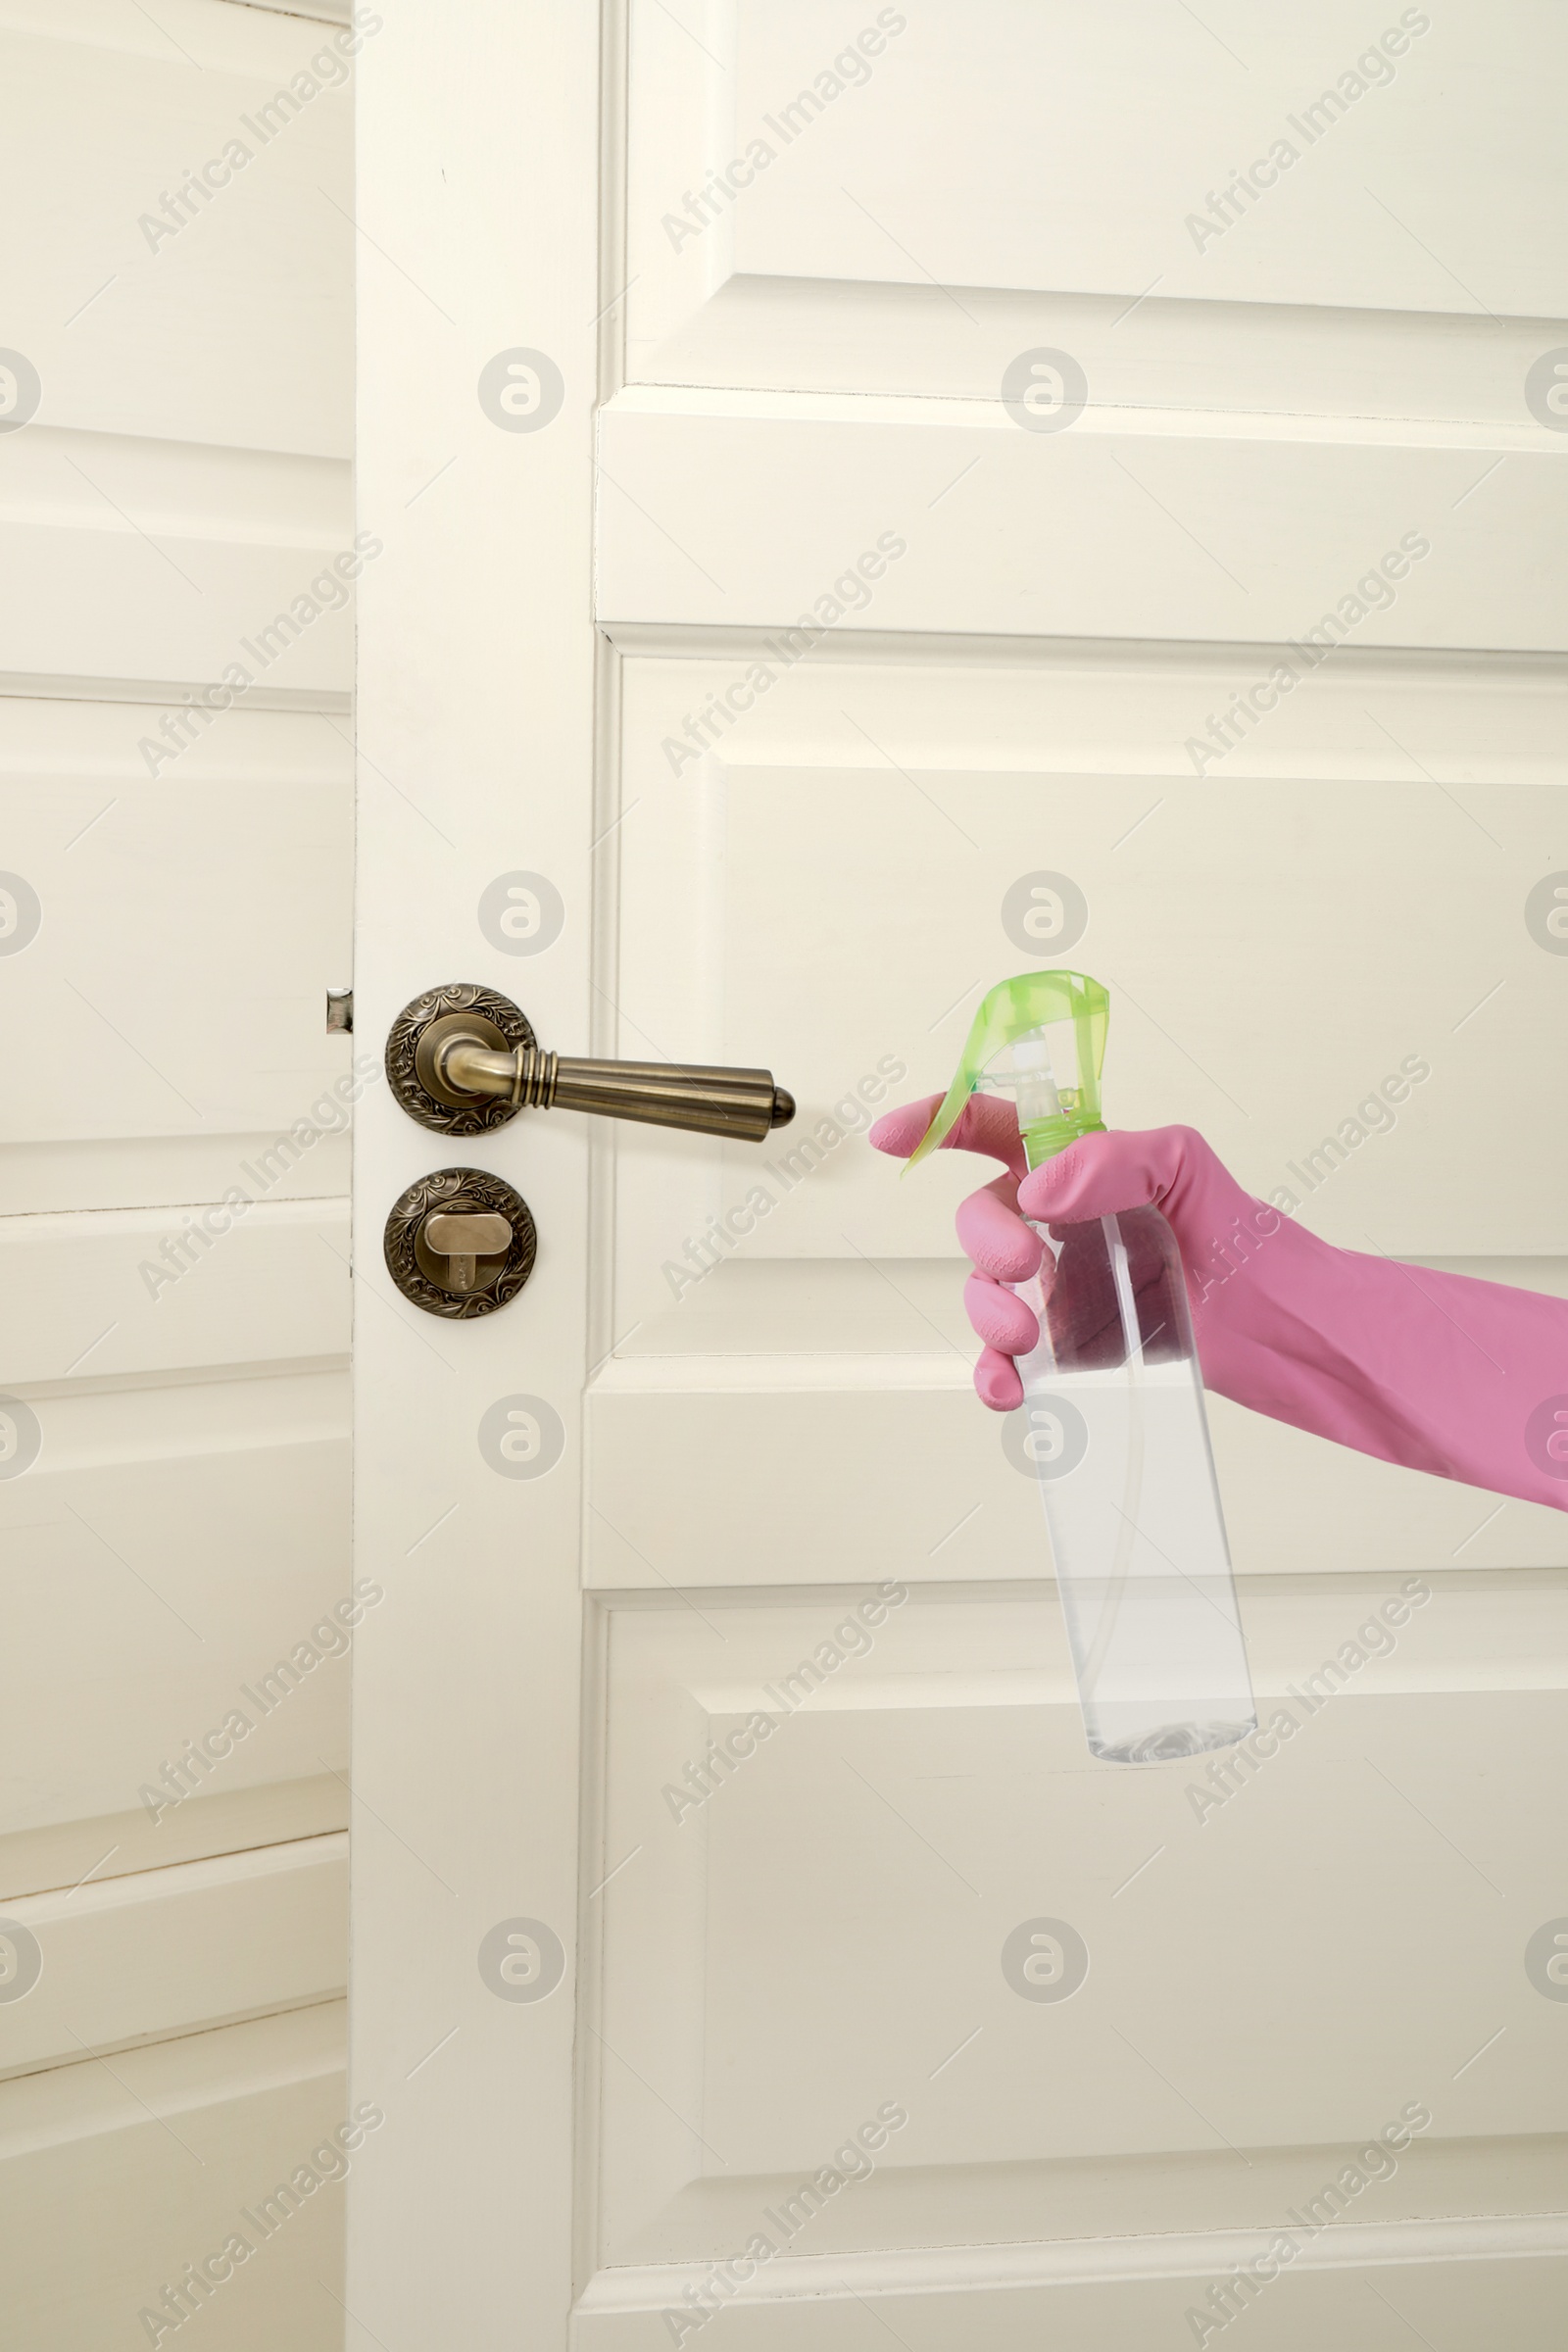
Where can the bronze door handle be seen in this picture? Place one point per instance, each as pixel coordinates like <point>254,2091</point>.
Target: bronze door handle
<point>462,1059</point>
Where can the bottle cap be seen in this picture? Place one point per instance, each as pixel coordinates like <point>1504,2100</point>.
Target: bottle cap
<point>1041,1040</point>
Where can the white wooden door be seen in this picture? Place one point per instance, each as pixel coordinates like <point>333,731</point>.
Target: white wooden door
<point>841,468</point>
<point>175,423</point>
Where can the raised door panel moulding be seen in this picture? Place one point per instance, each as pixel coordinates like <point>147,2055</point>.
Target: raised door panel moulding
<point>799,147</point>
<point>1076,705</point>
<point>146,1291</point>
<point>187,2147</point>
<point>179,489</point>
<point>1327,1019</point>
<point>161,560</point>
<point>886,1982</point>
<point>989,816</point>
<point>75,730</point>
<point>80,2100</point>
<point>1015,2299</point>
<point>65,1853</point>
<point>158,1171</point>
<point>179,1574</point>
<point>915,1800</point>
<point>1395,376</point>
<point>1022,2225</point>
<point>108,604</point>
<point>175,980</point>
<point>194,278</point>
<point>72,686</point>
<point>145,1958</point>
<point>957,519</point>
<point>1089,199</point>
<point>172,942</point>
<point>910,1476</point>
<point>325,12</point>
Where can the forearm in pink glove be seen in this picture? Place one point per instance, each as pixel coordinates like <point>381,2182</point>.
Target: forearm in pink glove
<point>1467,1380</point>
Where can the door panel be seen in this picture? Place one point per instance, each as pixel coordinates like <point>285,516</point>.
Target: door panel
<point>183,1525</point>
<point>1278,943</point>
<point>1113,533</point>
<point>1326,889</point>
<point>818,1931</point>
<point>249,2102</point>
<point>1011,149</point>
<point>139,1957</point>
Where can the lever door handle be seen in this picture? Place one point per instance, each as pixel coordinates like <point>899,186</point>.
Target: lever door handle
<point>461,1059</point>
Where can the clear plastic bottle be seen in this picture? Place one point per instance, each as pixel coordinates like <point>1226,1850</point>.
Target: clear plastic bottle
<point>1113,1401</point>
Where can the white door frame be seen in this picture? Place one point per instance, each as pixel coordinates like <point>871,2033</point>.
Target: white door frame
<point>478,209</point>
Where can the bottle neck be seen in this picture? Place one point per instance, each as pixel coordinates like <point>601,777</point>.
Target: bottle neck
<point>1043,1138</point>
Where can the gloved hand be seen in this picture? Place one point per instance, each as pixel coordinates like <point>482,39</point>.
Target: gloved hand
<point>1467,1380</point>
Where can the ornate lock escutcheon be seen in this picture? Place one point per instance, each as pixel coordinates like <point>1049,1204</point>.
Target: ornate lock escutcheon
<point>415,1047</point>
<point>460,1243</point>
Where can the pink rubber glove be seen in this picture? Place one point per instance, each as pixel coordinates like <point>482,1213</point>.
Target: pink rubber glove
<point>1464,1379</point>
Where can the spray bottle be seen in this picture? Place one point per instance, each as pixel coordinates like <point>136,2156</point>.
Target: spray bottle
<point>1115,1404</point>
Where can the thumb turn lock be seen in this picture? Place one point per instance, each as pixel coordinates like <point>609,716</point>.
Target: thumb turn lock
<point>462,1059</point>
<point>460,1243</point>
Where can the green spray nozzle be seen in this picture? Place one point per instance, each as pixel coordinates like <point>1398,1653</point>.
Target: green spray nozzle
<point>1041,1040</point>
